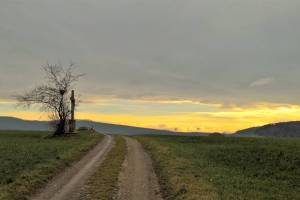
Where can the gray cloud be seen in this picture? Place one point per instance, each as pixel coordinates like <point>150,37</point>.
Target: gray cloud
<point>189,49</point>
<point>262,82</point>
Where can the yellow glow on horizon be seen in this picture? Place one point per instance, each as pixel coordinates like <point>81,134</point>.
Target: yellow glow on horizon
<point>26,115</point>
<point>154,100</point>
<point>228,120</point>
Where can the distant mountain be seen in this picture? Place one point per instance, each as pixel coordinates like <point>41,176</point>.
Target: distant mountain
<point>10,123</point>
<point>283,129</point>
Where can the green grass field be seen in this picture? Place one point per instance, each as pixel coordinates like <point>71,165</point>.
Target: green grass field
<point>29,159</point>
<point>195,168</point>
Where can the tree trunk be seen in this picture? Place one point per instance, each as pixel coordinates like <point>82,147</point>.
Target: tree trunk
<point>61,128</point>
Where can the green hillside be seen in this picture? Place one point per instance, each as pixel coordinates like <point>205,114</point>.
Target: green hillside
<point>282,129</point>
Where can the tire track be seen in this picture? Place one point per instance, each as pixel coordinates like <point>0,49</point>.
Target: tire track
<point>137,179</point>
<point>67,185</point>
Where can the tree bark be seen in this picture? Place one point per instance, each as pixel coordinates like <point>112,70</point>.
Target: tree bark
<point>61,128</point>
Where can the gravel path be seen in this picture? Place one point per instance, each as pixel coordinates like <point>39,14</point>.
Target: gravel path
<point>137,179</point>
<point>67,185</point>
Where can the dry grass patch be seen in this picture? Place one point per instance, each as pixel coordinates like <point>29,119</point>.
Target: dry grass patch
<point>104,183</point>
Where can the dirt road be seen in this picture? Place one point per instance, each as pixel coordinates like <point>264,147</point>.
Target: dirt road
<point>137,179</point>
<point>67,185</point>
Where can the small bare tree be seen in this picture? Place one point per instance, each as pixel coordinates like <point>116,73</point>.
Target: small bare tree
<point>53,96</point>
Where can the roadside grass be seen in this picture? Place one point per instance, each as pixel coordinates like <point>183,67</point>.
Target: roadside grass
<point>195,168</point>
<point>29,159</point>
<point>104,183</point>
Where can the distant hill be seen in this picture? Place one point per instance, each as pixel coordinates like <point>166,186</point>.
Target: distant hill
<point>10,123</point>
<point>283,129</point>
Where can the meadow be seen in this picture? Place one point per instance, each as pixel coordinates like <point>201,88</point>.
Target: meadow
<point>193,168</point>
<point>29,159</point>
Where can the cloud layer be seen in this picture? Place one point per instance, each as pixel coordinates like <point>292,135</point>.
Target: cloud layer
<point>218,52</point>
<point>262,82</point>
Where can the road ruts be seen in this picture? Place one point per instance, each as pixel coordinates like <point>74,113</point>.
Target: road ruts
<point>137,179</point>
<point>67,185</point>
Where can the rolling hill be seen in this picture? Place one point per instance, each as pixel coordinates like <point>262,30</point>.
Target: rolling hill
<point>11,123</point>
<point>283,129</point>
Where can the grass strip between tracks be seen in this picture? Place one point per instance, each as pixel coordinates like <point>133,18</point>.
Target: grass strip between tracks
<point>104,183</point>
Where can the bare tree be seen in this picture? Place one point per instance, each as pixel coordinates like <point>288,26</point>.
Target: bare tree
<point>53,96</point>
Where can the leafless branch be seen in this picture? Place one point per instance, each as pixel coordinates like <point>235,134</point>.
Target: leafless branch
<point>53,96</point>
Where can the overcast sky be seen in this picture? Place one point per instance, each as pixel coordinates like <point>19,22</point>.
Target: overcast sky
<point>229,52</point>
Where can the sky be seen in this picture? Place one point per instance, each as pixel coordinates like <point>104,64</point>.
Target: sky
<point>184,65</point>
